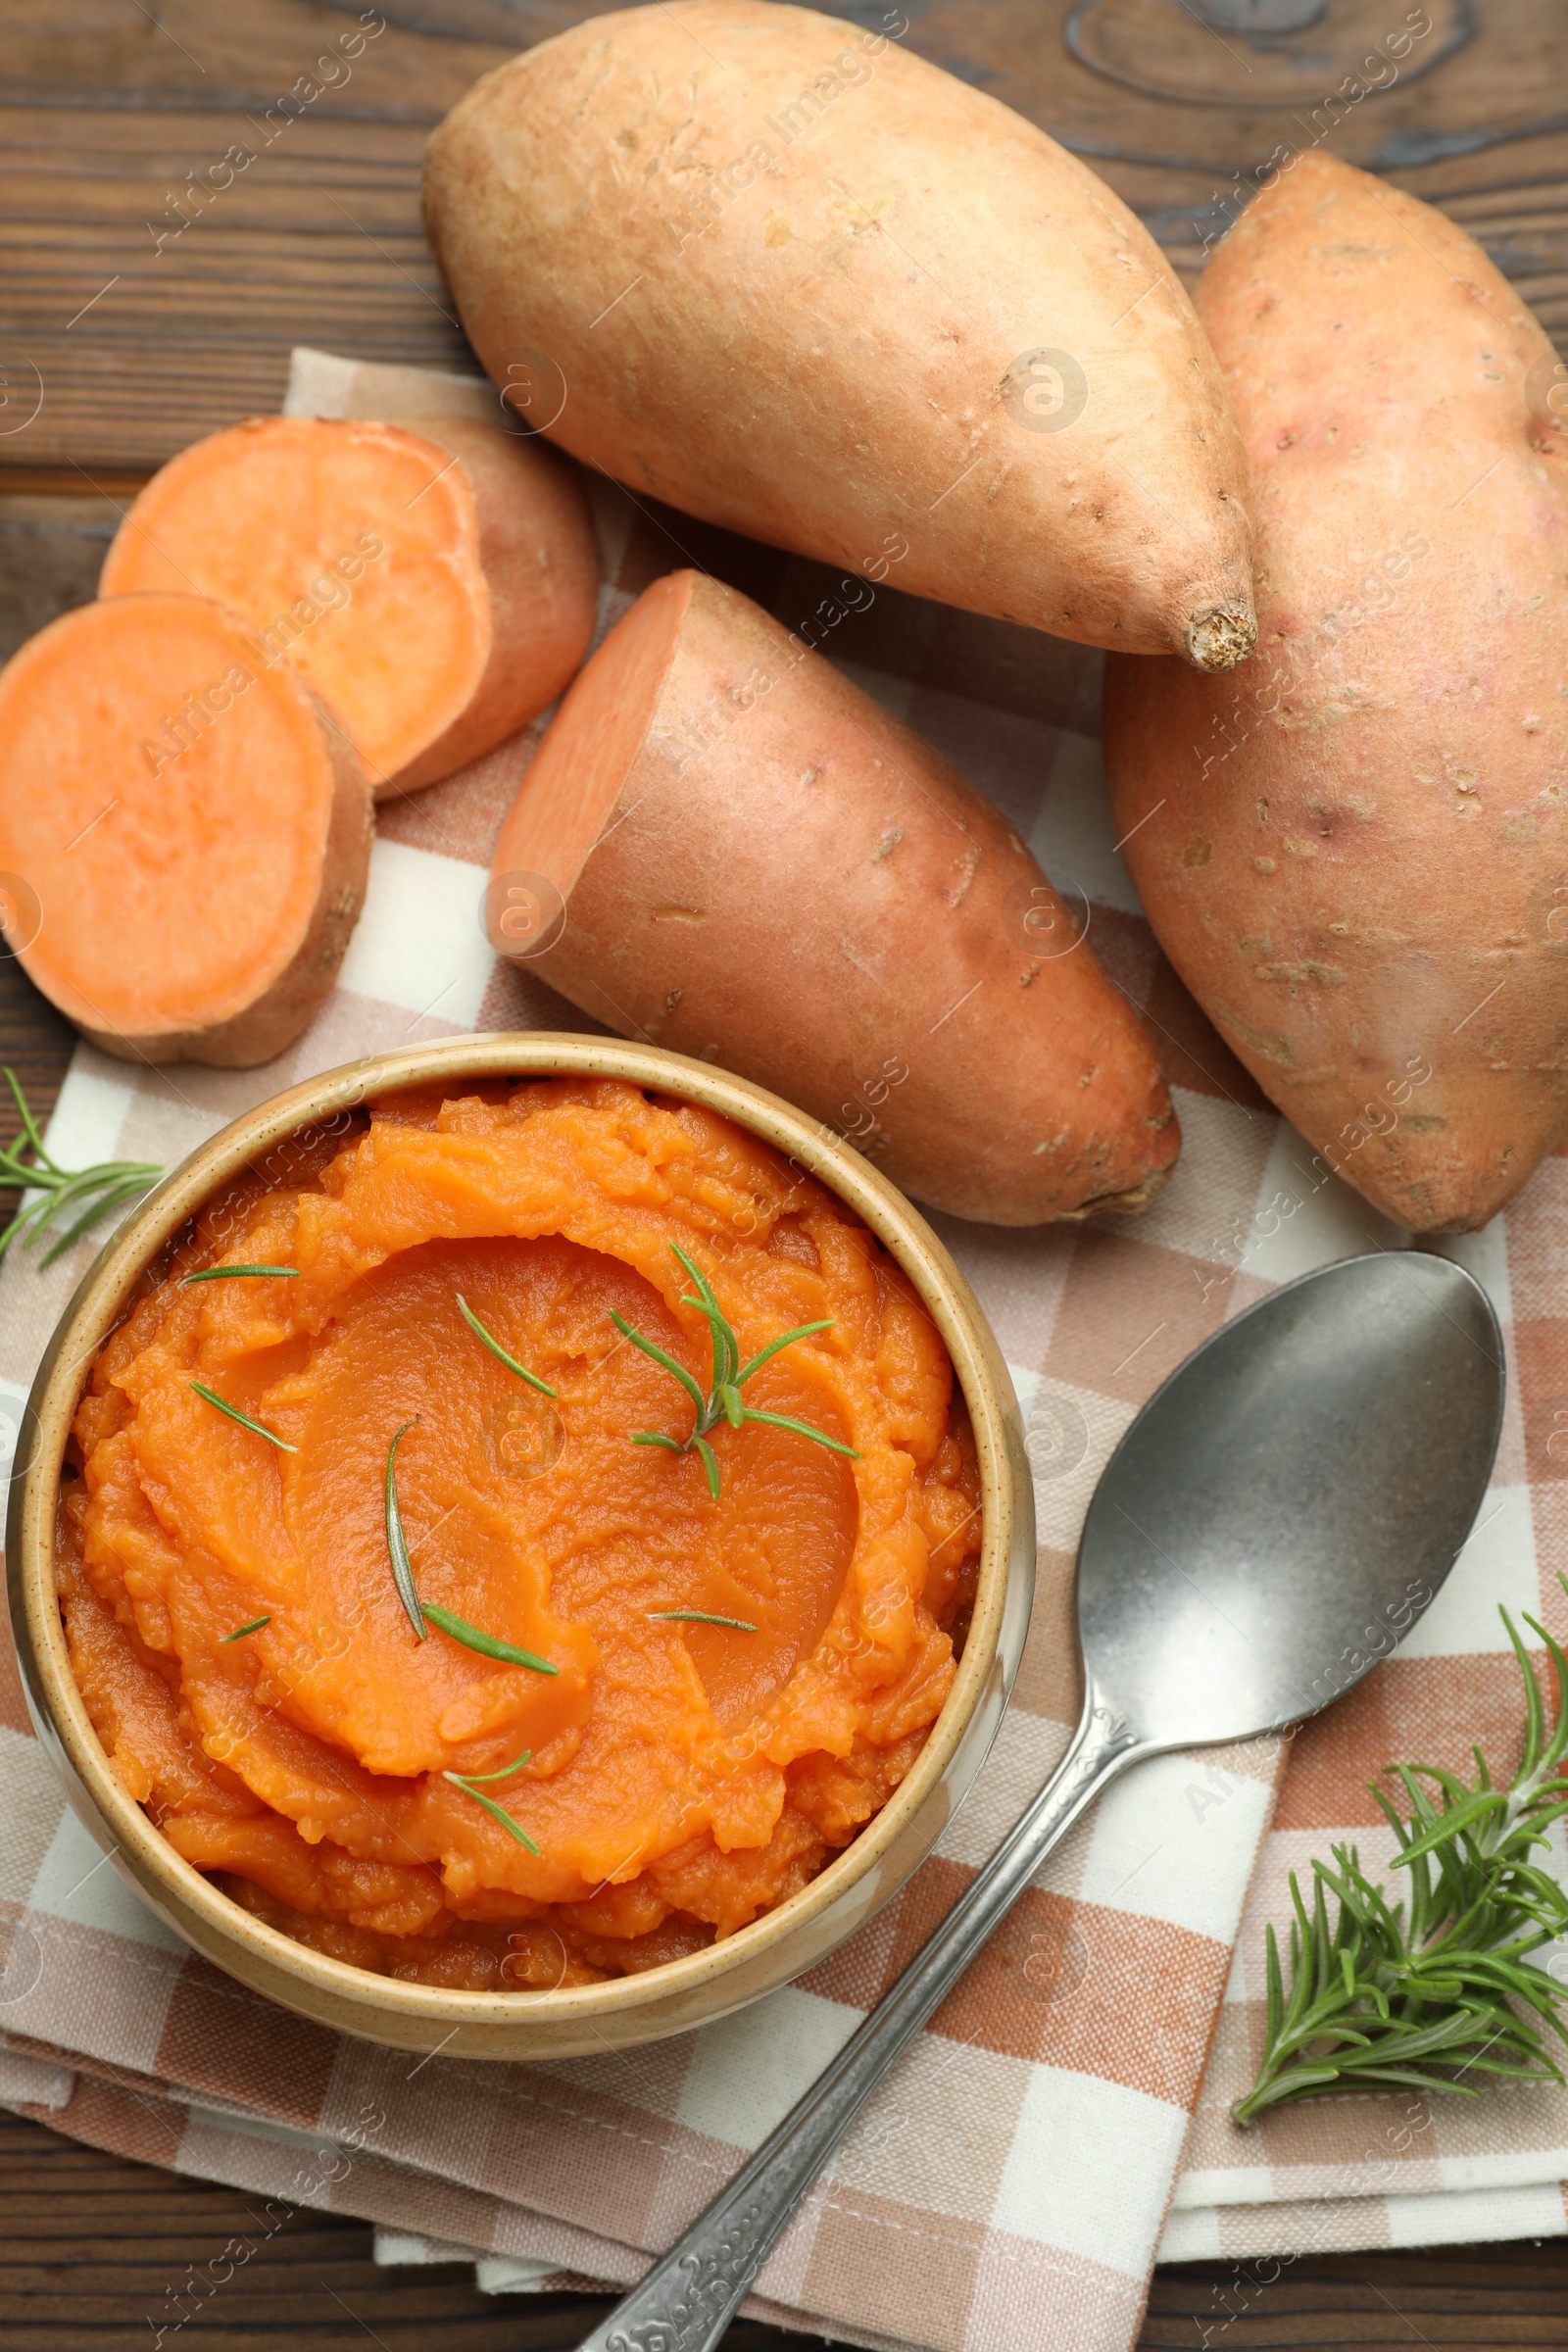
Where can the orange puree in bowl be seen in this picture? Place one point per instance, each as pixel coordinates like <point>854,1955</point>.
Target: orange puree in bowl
<point>681,1777</point>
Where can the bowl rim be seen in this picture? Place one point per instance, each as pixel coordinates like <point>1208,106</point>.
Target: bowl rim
<point>55,1702</point>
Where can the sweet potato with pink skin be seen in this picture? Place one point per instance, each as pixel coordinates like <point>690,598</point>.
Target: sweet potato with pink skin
<point>760,868</point>
<point>791,277</point>
<point>436,583</point>
<point>1355,852</point>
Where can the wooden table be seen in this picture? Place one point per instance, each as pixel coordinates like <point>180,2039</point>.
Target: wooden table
<point>121,341</point>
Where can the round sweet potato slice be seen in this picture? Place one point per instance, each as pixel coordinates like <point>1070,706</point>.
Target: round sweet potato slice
<point>437,587</point>
<point>184,833</point>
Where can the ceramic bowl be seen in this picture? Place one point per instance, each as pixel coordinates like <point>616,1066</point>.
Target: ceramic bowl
<point>681,1993</point>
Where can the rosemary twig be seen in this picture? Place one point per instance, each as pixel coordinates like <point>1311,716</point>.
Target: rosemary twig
<point>402,1567</point>
<point>93,1193</point>
<point>489,1646</point>
<point>211,1396</point>
<point>496,1348</point>
<point>703,1617</point>
<point>1419,1993</point>
<point>240,1631</point>
<point>723,1403</point>
<point>227,1273</point>
<point>468,1783</point>
<point>467,1779</point>
<point>457,1629</point>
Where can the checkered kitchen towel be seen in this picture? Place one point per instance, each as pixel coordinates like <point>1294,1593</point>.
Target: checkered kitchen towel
<point>1010,2186</point>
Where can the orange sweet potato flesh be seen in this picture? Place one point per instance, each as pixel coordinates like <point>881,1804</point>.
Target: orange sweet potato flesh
<point>437,586</point>
<point>682,1777</point>
<point>788,275</point>
<point>760,868</point>
<point>1359,863</point>
<point>190,830</point>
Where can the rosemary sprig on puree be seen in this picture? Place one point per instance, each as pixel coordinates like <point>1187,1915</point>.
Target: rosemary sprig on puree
<point>723,1401</point>
<point>230,1273</point>
<point>469,1782</point>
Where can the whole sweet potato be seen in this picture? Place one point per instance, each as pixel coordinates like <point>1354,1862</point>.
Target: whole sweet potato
<point>1357,852</point>
<point>723,846</point>
<point>787,276</point>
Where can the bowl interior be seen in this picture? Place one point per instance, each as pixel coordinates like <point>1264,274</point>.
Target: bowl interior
<point>418,2015</point>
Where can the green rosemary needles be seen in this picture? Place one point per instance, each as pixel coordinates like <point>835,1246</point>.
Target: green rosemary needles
<point>1435,1990</point>
<point>723,1401</point>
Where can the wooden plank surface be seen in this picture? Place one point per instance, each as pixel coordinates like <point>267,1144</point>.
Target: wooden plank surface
<point>96,2254</point>
<point>124,335</point>
<point>121,341</point>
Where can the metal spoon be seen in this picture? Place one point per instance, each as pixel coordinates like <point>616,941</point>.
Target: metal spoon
<point>1276,1516</point>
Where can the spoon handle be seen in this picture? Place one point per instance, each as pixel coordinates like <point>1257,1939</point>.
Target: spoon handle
<point>687,2301</point>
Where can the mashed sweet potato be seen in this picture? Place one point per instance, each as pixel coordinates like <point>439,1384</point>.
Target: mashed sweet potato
<point>681,1777</point>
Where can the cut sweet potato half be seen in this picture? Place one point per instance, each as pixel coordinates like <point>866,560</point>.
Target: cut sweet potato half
<point>759,867</point>
<point>190,828</point>
<point>436,587</point>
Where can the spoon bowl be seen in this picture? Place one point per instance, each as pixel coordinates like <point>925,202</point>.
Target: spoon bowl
<point>1288,1504</point>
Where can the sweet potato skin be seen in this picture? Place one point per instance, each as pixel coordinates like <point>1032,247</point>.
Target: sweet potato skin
<point>536,545</point>
<point>789,882</point>
<point>1360,862</point>
<point>795,280</point>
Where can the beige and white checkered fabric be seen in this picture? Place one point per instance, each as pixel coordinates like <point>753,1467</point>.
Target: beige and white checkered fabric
<point>1011,2188</point>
